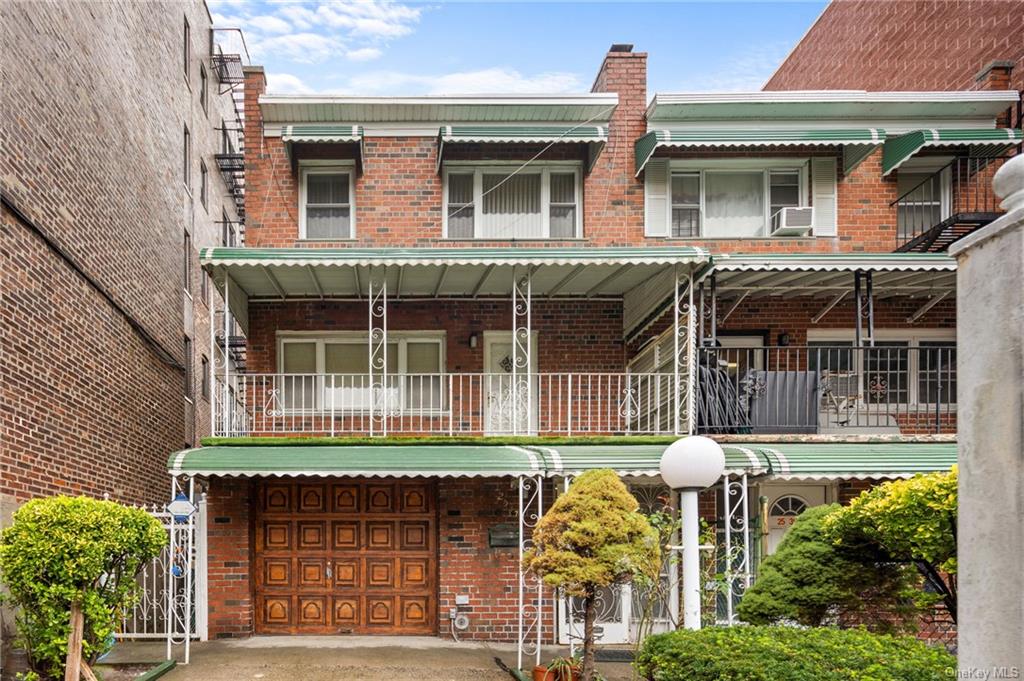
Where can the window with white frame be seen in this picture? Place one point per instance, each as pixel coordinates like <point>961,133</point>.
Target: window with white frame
<point>903,367</point>
<point>733,201</point>
<point>326,209</point>
<point>333,372</point>
<point>506,202</point>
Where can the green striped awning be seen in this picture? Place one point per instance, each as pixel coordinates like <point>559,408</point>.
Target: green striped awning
<point>400,461</point>
<point>594,136</point>
<point>860,141</point>
<point>982,142</point>
<point>783,461</point>
<point>637,460</point>
<point>322,133</point>
<point>860,461</point>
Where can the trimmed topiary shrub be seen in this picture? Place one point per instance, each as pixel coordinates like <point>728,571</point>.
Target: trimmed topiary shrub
<point>811,581</point>
<point>64,550</point>
<point>593,536</point>
<point>790,654</point>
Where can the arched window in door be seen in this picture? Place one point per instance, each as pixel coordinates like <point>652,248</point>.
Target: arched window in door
<point>788,506</point>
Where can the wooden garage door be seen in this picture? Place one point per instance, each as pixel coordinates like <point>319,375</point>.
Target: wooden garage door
<point>346,557</point>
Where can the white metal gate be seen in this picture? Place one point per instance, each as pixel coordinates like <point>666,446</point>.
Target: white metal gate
<point>172,598</point>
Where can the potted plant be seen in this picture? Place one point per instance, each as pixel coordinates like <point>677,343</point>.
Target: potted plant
<point>559,669</point>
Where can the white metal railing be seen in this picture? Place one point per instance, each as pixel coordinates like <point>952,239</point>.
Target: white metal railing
<point>453,404</point>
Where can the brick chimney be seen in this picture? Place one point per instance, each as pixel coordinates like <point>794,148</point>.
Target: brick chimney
<point>256,160</point>
<point>614,197</point>
<point>996,76</point>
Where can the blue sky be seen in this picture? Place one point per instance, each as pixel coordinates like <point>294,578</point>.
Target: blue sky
<point>374,47</point>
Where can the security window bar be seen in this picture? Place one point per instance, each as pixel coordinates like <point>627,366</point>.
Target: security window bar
<point>327,206</point>
<point>499,203</point>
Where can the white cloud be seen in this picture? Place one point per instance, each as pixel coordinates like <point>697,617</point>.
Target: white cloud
<point>370,17</point>
<point>746,71</point>
<point>269,24</point>
<point>364,54</point>
<point>305,48</point>
<point>287,84</point>
<point>489,80</point>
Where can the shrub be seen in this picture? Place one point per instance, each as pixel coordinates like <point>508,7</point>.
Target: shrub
<point>790,654</point>
<point>811,581</point>
<point>62,550</point>
<point>593,536</point>
<point>912,521</point>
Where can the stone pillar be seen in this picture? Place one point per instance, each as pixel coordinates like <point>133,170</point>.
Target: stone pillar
<point>990,365</point>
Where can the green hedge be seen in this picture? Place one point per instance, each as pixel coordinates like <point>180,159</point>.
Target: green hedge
<point>790,654</point>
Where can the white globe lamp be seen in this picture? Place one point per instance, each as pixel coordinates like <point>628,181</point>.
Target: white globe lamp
<point>690,465</point>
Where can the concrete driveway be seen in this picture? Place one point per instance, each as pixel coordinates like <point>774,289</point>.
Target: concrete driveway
<point>355,658</point>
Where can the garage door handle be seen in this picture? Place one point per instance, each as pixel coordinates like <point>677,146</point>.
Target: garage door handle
<point>329,573</point>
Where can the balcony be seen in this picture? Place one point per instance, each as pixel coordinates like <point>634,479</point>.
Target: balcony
<point>887,389</point>
<point>892,389</point>
<point>948,205</point>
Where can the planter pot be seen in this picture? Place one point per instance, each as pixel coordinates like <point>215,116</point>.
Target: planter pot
<point>541,673</point>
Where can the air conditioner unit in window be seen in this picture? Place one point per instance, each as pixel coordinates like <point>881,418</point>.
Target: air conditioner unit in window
<point>793,221</point>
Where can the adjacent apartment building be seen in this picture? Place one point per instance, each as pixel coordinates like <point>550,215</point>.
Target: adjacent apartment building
<point>453,305</point>
<point>115,121</point>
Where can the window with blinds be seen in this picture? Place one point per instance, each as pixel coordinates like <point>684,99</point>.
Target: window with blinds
<point>326,203</point>
<point>498,203</point>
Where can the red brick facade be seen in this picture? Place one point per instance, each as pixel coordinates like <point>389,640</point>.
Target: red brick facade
<point>398,203</point>
<point>923,45</point>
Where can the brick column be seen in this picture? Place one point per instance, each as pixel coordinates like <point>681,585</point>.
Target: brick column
<point>229,559</point>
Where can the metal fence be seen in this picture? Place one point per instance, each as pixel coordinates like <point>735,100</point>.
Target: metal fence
<point>828,387</point>
<point>498,404</point>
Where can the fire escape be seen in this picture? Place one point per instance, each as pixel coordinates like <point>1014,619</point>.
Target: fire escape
<point>948,205</point>
<point>229,56</point>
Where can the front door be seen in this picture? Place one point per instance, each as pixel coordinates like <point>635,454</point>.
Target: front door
<point>346,556</point>
<point>506,410</point>
<point>785,503</point>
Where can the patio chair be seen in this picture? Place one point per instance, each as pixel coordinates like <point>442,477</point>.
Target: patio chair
<point>840,391</point>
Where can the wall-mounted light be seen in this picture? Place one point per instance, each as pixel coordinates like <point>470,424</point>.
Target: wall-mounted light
<point>783,339</point>
<point>473,339</point>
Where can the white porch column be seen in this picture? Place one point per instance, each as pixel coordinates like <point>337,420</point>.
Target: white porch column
<point>530,626</point>
<point>522,359</point>
<point>378,350</point>
<point>990,403</point>
<point>684,355</point>
<point>226,404</point>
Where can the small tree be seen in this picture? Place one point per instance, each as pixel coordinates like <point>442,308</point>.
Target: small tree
<point>591,538</point>
<point>912,521</point>
<point>65,555</point>
<point>811,581</point>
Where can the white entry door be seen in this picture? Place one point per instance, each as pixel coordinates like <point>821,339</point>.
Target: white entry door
<point>614,606</point>
<point>620,608</point>
<point>785,503</point>
<point>506,410</point>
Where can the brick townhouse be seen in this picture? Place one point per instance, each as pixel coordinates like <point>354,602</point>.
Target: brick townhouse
<point>580,278</point>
